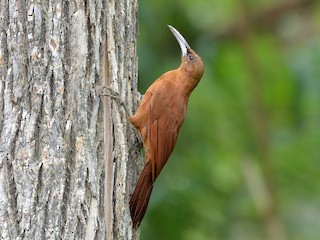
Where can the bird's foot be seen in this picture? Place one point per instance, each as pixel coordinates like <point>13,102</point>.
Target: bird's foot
<point>115,95</point>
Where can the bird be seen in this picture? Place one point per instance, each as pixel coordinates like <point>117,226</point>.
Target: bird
<point>158,119</point>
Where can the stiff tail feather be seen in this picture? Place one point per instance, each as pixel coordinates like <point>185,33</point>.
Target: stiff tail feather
<point>140,197</point>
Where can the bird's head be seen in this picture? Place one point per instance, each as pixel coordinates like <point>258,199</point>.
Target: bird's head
<point>190,61</point>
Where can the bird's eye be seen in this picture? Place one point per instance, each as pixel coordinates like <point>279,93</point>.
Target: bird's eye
<point>190,57</point>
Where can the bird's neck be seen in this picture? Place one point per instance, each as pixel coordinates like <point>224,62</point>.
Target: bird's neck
<point>187,80</point>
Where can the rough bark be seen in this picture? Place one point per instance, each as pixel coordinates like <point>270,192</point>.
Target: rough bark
<point>121,62</point>
<point>53,141</point>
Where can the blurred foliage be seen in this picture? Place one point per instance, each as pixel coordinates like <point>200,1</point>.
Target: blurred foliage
<point>259,99</point>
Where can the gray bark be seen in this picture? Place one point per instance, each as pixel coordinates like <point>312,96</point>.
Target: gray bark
<point>58,136</point>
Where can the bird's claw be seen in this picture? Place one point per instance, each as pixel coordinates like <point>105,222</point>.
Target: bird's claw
<point>115,95</point>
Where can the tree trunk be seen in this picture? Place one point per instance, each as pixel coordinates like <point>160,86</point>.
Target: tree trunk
<point>64,148</point>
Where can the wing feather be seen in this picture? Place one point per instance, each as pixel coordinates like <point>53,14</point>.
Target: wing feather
<point>158,119</point>
<point>163,129</point>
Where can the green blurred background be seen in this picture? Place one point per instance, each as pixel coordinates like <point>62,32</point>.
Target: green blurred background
<point>247,161</point>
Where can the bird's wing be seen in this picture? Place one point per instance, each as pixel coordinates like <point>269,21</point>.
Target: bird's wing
<point>159,118</point>
<point>165,118</point>
<point>161,142</point>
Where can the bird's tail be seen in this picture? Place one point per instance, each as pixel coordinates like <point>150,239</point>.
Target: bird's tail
<point>141,195</point>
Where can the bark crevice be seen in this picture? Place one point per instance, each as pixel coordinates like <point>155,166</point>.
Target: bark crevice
<point>52,150</point>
